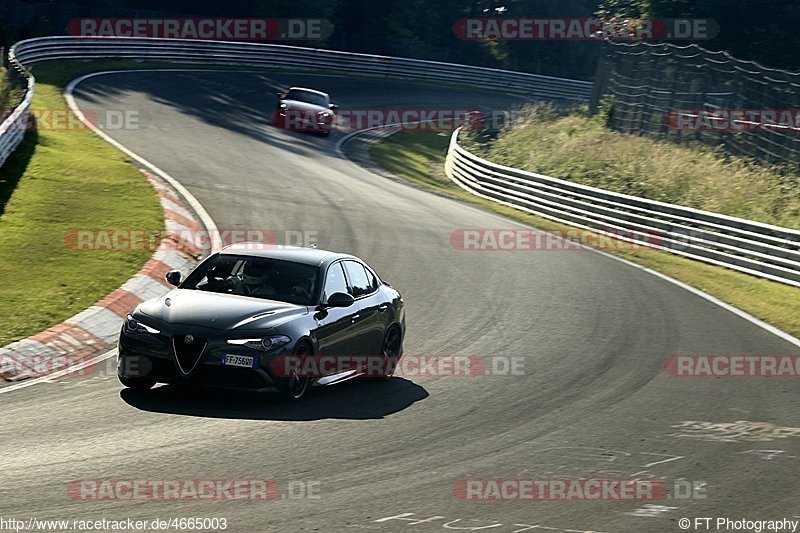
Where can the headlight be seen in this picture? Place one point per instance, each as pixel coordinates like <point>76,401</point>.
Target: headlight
<point>134,326</point>
<point>265,345</point>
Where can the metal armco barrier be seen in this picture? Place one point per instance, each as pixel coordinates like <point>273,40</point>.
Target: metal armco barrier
<point>13,128</point>
<point>26,53</point>
<point>758,249</point>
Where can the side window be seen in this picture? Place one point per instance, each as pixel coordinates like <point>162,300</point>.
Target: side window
<point>335,281</point>
<point>359,282</point>
<point>373,281</point>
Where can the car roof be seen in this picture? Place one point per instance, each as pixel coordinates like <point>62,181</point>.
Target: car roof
<point>296,254</point>
<point>307,89</point>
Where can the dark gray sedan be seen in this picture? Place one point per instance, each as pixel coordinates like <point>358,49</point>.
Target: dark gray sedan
<point>265,318</point>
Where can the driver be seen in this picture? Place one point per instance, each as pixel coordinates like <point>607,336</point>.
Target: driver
<point>254,280</point>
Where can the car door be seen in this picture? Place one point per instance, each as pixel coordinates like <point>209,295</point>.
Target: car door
<point>372,316</point>
<point>379,307</point>
<point>337,327</point>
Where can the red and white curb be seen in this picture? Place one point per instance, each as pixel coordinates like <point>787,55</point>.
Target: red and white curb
<point>87,338</point>
<point>94,331</point>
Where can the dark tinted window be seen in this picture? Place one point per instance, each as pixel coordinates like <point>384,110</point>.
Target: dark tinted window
<point>257,277</point>
<point>307,96</point>
<point>335,281</point>
<point>359,282</point>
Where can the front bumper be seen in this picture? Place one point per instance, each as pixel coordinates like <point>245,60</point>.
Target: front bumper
<point>153,356</point>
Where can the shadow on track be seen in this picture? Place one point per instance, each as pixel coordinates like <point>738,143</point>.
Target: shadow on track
<point>15,166</point>
<point>237,101</point>
<point>354,400</point>
<point>242,102</point>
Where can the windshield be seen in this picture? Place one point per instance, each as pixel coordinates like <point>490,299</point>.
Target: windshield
<point>256,277</point>
<point>308,97</point>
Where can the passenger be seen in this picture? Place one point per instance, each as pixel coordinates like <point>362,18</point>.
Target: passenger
<point>305,286</point>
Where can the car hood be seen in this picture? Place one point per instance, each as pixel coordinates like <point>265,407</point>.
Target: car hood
<point>220,311</point>
<point>297,105</point>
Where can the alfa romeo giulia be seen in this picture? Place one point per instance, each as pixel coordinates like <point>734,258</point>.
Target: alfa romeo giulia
<point>265,318</point>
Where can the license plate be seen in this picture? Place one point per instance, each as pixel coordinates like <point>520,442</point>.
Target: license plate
<point>239,360</point>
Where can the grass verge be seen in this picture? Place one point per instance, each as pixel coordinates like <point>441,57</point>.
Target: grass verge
<point>419,157</point>
<point>571,145</point>
<point>59,181</point>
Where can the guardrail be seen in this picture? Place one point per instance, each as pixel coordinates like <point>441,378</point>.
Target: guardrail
<point>26,53</point>
<point>754,248</point>
<point>14,126</point>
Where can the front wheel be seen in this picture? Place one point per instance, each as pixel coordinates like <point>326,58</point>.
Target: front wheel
<point>295,386</point>
<point>139,384</point>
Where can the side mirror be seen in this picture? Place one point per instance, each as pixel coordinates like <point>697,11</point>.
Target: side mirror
<point>279,95</point>
<point>174,277</point>
<point>340,299</point>
<point>333,106</point>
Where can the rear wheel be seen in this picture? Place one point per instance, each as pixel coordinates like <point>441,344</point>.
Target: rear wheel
<point>391,350</point>
<point>295,386</point>
<point>140,384</point>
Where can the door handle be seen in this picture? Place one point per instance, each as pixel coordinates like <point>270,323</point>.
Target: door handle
<point>383,307</point>
<point>354,318</point>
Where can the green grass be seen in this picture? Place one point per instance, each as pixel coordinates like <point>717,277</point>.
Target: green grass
<point>573,146</point>
<point>59,181</point>
<point>419,158</point>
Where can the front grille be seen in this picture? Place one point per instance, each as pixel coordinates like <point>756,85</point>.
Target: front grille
<point>188,354</point>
